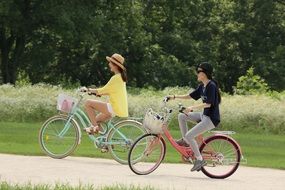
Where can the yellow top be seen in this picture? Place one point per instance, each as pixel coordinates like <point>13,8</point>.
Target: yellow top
<point>117,92</point>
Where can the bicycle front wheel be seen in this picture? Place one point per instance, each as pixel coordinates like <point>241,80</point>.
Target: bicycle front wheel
<point>121,138</point>
<point>59,137</point>
<point>146,154</point>
<point>222,155</point>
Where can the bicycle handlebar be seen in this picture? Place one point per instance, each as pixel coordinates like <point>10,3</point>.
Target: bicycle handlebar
<point>88,92</point>
<point>94,94</point>
<point>181,107</point>
<point>166,99</point>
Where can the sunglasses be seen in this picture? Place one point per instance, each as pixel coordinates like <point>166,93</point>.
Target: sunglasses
<point>199,71</point>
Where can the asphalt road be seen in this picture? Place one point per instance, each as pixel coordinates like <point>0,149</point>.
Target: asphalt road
<point>103,172</point>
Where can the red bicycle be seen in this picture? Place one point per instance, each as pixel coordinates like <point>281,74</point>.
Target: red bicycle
<point>221,152</point>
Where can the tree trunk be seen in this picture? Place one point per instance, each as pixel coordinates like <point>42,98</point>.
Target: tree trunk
<point>16,58</point>
<point>10,56</point>
<point>4,65</point>
<point>5,47</point>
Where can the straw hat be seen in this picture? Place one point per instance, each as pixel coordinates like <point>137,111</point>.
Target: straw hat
<point>117,59</point>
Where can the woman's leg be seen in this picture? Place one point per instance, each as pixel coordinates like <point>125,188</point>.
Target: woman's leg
<point>101,117</point>
<point>91,106</point>
<point>205,125</point>
<point>183,118</point>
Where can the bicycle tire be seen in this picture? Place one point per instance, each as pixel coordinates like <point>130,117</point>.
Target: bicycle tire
<point>117,145</point>
<point>146,154</point>
<point>229,157</point>
<point>52,144</point>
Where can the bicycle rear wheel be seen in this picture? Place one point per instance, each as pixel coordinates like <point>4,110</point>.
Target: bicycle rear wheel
<point>121,138</point>
<point>58,138</point>
<point>222,155</point>
<point>146,154</point>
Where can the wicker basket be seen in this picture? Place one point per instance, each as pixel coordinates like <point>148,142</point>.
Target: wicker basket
<point>153,122</point>
<point>65,103</point>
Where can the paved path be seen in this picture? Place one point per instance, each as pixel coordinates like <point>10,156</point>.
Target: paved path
<point>102,172</point>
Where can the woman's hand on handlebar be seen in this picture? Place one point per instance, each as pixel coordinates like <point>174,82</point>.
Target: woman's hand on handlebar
<point>170,97</point>
<point>83,89</point>
<point>93,92</point>
<point>90,91</point>
<point>185,110</point>
<point>188,109</point>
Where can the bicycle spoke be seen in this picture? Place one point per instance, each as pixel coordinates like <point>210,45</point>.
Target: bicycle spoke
<point>146,154</point>
<point>58,146</point>
<point>224,157</point>
<point>121,138</point>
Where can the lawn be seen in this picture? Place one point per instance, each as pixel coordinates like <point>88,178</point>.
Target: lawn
<point>8,186</point>
<point>260,150</point>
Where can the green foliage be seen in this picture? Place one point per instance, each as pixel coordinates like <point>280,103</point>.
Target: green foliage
<point>68,83</point>
<point>162,41</point>
<point>251,84</point>
<point>22,79</point>
<point>262,113</point>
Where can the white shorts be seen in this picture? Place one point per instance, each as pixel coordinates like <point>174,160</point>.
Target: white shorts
<point>110,110</point>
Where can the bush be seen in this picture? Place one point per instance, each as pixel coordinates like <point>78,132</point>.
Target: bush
<point>258,113</point>
<point>251,84</point>
<point>22,79</point>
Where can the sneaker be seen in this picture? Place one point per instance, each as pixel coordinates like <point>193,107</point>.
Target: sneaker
<point>198,164</point>
<point>182,142</point>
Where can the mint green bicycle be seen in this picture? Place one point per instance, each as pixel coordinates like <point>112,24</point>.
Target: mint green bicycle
<point>61,134</point>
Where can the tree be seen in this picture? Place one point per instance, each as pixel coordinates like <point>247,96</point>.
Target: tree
<point>30,29</point>
<point>67,40</point>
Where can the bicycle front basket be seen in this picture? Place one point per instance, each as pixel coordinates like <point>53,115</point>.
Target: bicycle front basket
<point>153,122</point>
<point>65,103</point>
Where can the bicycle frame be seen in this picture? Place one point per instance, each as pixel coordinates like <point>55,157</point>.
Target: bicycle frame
<point>218,150</point>
<point>78,114</point>
<point>184,151</point>
<point>187,152</point>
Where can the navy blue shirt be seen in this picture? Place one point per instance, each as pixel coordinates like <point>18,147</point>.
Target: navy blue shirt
<point>209,95</point>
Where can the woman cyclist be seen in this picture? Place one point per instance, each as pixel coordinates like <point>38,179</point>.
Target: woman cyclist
<point>115,89</point>
<point>206,120</point>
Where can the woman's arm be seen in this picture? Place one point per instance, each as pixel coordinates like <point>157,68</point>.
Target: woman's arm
<point>93,90</point>
<point>199,106</point>
<point>173,97</point>
<point>107,89</point>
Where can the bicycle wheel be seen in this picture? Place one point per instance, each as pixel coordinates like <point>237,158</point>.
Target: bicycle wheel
<point>57,138</point>
<point>222,155</point>
<point>146,154</point>
<point>121,138</point>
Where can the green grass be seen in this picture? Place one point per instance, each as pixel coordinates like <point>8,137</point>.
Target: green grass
<point>260,150</point>
<point>7,186</point>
